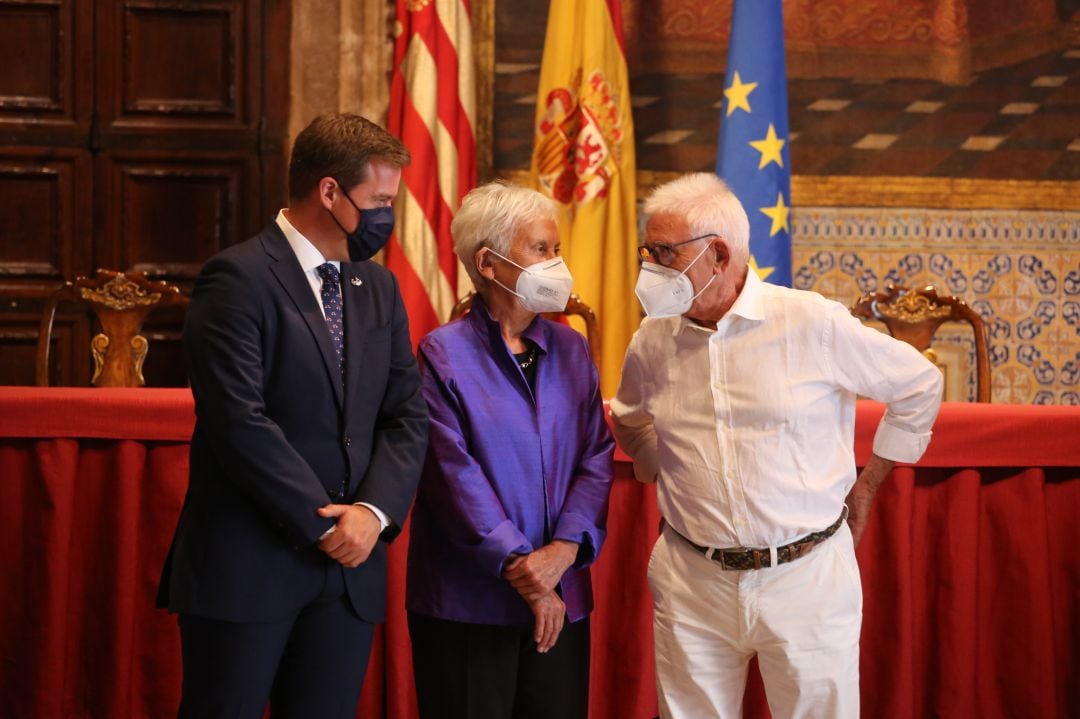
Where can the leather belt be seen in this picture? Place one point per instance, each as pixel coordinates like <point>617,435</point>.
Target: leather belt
<point>740,558</point>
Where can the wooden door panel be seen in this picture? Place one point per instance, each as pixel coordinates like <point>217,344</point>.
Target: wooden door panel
<point>134,135</point>
<point>45,206</point>
<point>166,214</point>
<point>43,46</point>
<point>165,364</point>
<point>34,30</point>
<point>182,67</point>
<point>69,362</point>
<point>182,61</point>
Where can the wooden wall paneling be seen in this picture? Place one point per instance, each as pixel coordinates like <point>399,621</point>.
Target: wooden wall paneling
<point>165,365</point>
<point>134,134</point>
<point>45,86</point>
<point>69,359</point>
<point>180,107</point>
<point>180,61</point>
<point>46,184</point>
<point>180,67</point>
<point>18,345</point>
<point>45,203</point>
<point>166,213</point>
<point>275,100</point>
<point>179,138</point>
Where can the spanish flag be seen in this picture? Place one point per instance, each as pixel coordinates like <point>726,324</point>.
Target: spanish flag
<point>583,158</point>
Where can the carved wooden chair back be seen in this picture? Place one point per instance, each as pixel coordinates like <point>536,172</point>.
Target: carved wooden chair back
<point>914,316</point>
<point>121,301</point>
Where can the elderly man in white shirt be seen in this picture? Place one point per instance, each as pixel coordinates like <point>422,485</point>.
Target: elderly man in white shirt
<point>738,399</point>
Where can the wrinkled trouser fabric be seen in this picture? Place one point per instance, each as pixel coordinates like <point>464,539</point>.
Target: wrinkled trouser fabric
<point>802,619</point>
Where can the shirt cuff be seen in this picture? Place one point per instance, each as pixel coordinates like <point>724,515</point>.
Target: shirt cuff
<point>574,528</point>
<point>500,543</point>
<point>899,445</point>
<point>384,521</point>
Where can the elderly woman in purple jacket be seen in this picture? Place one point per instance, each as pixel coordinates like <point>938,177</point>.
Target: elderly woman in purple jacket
<point>513,499</point>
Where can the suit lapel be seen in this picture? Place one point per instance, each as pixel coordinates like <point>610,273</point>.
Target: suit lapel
<point>355,299</point>
<point>288,272</point>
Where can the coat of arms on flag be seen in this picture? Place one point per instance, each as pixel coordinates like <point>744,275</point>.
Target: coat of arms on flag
<point>583,158</point>
<point>579,140</point>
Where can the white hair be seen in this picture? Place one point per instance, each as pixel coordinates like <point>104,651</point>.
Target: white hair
<point>490,215</point>
<point>708,205</point>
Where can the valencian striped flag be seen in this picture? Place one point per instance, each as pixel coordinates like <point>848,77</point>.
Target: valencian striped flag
<point>583,158</point>
<point>432,110</point>
<point>752,156</point>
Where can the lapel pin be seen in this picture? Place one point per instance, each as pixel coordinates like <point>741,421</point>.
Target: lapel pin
<point>356,281</point>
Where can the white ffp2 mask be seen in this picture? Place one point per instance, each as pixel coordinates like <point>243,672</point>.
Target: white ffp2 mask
<point>664,292</point>
<point>543,286</point>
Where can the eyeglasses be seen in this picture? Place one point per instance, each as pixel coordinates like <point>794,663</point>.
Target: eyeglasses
<point>663,254</point>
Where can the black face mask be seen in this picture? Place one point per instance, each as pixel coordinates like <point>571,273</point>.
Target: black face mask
<point>371,233</point>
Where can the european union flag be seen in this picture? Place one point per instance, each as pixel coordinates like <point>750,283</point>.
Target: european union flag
<point>752,155</point>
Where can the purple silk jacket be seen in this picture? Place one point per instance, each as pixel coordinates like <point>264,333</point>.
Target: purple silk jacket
<point>506,471</point>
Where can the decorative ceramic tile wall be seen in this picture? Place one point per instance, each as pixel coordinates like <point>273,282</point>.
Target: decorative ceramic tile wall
<point>1019,270</point>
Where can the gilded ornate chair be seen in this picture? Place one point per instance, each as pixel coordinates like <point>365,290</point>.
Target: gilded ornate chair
<point>914,315</point>
<point>121,301</point>
<point>574,306</point>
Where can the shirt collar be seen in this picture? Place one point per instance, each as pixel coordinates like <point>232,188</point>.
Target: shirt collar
<point>482,320</point>
<point>308,255</point>
<point>748,305</point>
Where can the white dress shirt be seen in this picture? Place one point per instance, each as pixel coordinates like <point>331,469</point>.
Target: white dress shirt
<point>310,258</point>
<point>308,255</point>
<point>750,429</point>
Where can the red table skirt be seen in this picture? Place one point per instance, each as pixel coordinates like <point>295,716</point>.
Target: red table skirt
<point>970,568</point>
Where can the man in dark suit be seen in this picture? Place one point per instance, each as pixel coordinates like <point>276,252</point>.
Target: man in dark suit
<point>308,444</point>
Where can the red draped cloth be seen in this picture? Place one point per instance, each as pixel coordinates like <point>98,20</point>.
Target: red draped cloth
<point>970,567</point>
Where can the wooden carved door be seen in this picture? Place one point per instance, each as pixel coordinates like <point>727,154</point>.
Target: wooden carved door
<point>134,135</point>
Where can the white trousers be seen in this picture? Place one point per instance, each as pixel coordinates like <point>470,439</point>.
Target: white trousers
<point>802,619</point>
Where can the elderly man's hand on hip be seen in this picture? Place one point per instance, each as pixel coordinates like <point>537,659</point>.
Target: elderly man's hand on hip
<point>861,497</point>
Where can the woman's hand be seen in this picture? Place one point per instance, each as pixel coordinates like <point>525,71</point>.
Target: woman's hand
<point>536,574</point>
<point>550,612</point>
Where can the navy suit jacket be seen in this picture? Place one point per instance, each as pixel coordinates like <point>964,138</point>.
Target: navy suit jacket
<point>276,435</point>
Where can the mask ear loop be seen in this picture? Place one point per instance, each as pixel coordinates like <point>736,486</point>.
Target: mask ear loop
<point>683,273</point>
<point>702,289</point>
<point>694,261</point>
<point>505,258</point>
<point>500,284</point>
<point>359,212</point>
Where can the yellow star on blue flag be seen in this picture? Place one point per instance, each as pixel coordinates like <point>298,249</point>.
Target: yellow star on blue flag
<point>762,272</point>
<point>738,95</point>
<point>778,214</point>
<point>752,155</point>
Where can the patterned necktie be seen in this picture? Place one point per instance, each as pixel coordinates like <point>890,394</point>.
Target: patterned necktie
<point>331,298</point>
